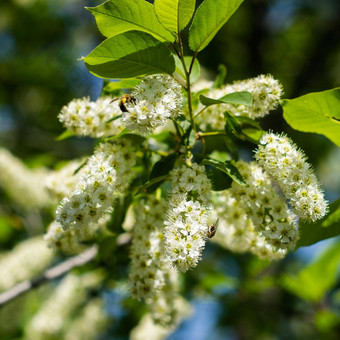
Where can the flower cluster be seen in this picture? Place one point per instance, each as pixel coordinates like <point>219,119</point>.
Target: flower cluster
<point>69,296</point>
<point>186,225</point>
<point>90,323</point>
<point>25,261</point>
<point>149,265</point>
<point>269,213</point>
<point>95,119</point>
<point>158,98</point>
<point>266,92</point>
<point>236,230</point>
<point>148,329</point>
<point>72,240</point>
<point>278,155</point>
<point>23,185</point>
<point>107,172</point>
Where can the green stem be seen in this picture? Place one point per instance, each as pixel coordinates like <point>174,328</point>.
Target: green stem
<point>210,134</point>
<point>187,75</point>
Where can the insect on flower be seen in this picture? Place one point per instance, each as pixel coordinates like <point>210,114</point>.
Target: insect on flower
<point>125,99</point>
<point>212,229</point>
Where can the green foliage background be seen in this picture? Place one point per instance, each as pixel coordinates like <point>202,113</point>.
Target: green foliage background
<point>296,41</point>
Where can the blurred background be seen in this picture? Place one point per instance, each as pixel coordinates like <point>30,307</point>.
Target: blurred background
<point>297,41</point>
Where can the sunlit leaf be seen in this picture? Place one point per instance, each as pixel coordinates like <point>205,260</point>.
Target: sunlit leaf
<point>238,98</point>
<point>65,135</point>
<point>195,72</point>
<point>317,112</point>
<point>209,18</point>
<point>122,84</point>
<point>118,16</point>
<point>174,15</point>
<point>129,55</point>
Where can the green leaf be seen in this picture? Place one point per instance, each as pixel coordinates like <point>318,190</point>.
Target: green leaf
<point>161,168</point>
<point>313,282</point>
<point>325,228</point>
<point>122,84</point>
<point>128,55</point>
<point>118,16</point>
<point>174,15</point>
<point>121,206</point>
<point>248,121</point>
<point>210,16</point>
<point>228,168</point>
<point>219,180</point>
<point>232,127</point>
<point>156,180</point>
<point>317,112</point>
<point>238,98</point>
<point>65,135</point>
<point>252,135</point>
<point>195,72</point>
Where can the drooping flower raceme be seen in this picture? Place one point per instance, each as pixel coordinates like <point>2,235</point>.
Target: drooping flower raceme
<point>23,185</point>
<point>158,98</point>
<point>288,166</point>
<point>149,264</point>
<point>67,298</point>
<point>25,261</point>
<point>95,119</point>
<point>107,172</point>
<point>186,224</point>
<point>268,211</point>
<point>266,92</point>
<point>236,230</point>
<point>90,323</point>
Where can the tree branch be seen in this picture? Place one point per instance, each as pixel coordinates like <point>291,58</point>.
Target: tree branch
<point>50,274</point>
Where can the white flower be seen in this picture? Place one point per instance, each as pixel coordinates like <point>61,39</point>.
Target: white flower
<point>66,299</point>
<point>149,264</point>
<point>94,119</point>
<point>23,185</point>
<point>266,92</point>
<point>185,233</point>
<point>269,213</point>
<point>158,98</point>
<point>236,230</point>
<point>106,173</point>
<point>288,166</point>
<point>25,261</point>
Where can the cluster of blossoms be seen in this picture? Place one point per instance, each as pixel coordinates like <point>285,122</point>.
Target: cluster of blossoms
<point>151,275</point>
<point>94,119</point>
<point>266,92</point>
<point>186,224</point>
<point>158,98</point>
<point>148,329</point>
<point>106,173</point>
<point>236,230</point>
<point>148,264</point>
<point>23,185</point>
<point>287,165</point>
<point>269,213</point>
<point>90,323</point>
<point>68,297</point>
<point>26,260</point>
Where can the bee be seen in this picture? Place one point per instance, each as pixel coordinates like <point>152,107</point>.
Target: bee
<point>212,229</point>
<point>125,99</point>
